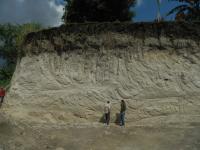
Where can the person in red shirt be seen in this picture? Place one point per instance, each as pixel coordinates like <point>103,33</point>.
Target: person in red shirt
<point>2,94</point>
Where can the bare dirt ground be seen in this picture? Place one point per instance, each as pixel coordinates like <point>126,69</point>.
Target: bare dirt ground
<point>97,137</point>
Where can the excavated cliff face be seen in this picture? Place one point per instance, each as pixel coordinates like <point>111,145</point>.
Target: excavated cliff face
<point>68,73</point>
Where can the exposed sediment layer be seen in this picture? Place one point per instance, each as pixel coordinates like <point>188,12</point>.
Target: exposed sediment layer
<point>68,73</point>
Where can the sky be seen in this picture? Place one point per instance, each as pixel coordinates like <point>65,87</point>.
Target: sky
<point>146,10</point>
<point>49,12</point>
<point>45,12</point>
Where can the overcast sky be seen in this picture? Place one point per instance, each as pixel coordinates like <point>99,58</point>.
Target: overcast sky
<point>45,12</point>
<point>49,12</point>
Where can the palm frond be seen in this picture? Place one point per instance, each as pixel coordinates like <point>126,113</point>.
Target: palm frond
<point>183,1</point>
<point>177,9</point>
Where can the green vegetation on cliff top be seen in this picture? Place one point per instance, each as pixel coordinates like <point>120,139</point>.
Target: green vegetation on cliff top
<point>11,39</point>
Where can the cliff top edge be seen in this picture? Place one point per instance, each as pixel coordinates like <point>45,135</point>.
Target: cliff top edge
<point>176,30</point>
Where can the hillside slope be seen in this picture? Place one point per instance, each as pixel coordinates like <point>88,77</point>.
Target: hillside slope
<point>68,73</point>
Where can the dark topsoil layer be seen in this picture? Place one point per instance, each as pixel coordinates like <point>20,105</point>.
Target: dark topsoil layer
<point>173,30</point>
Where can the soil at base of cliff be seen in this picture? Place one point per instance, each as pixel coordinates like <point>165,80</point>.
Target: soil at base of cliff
<point>97,137</point>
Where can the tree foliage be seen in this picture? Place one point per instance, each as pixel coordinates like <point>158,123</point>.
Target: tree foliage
<point>189,10</point>
<point>11,38</point>
<point>98,10</point>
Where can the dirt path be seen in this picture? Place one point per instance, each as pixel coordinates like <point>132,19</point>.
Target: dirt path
<point>97,137</point>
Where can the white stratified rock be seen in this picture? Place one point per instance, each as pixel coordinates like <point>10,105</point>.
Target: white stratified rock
<point>159,86</point>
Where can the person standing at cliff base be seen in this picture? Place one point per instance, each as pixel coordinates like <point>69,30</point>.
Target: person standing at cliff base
<point>2,94</point>
<point>107,112</point>
<point>122,113</point>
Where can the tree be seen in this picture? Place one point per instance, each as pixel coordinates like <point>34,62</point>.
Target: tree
<point>189,10</point>
<point>11,39</point>
<point>98,10</point>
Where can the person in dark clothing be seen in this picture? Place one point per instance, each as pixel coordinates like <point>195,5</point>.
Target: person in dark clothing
<point>107,112</point>
<point>122,113</point>
<point>2,94</point>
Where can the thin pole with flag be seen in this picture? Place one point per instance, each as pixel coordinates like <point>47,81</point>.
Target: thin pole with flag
<point>158,13</point>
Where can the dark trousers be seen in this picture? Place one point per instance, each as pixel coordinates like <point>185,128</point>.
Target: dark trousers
<point>122,118</point>
<point>1,98</point>
<point>107,118</point>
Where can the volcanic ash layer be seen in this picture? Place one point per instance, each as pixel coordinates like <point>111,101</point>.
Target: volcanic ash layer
<point>67,74</point>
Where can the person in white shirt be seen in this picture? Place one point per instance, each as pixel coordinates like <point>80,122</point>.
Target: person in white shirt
<point>107,112</point>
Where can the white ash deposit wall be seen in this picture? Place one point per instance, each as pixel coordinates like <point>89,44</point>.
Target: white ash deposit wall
<point>67,76</point>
